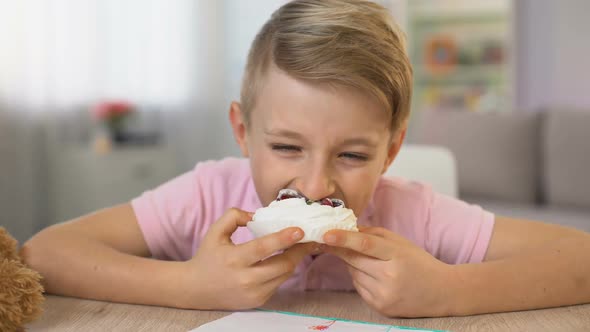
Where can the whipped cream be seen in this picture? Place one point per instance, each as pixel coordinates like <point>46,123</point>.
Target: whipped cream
<point>299,211</point>
<point>314,219</point>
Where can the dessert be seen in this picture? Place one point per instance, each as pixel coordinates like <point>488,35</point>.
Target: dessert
<point>315,218</point>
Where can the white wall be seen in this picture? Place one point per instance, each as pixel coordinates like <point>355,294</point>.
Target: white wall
<point>19,183</point>
<point>231,26</point>
<point>552,54</point>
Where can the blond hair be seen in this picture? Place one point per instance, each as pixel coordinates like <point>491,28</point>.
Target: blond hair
<point>353,43</point>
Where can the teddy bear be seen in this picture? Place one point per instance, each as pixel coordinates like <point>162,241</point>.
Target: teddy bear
<point>21,292</point>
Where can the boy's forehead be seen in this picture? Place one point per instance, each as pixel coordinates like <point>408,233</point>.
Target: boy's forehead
<point>328,116</point>
<point>285,96</point>
<point>278,84</point>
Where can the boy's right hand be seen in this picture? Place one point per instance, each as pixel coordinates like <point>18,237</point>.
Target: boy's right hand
<point>226,276</point>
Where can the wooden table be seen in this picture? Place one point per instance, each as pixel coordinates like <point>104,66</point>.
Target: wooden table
<point>71,314</point>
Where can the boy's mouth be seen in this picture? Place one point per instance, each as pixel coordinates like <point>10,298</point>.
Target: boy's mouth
<point>290,193</point>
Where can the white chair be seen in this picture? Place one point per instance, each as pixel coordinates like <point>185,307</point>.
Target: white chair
<point>432,165</point>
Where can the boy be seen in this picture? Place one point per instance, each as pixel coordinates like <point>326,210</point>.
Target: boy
<point>324,106</point>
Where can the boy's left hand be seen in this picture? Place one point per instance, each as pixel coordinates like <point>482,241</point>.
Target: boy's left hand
<point>391,274</point>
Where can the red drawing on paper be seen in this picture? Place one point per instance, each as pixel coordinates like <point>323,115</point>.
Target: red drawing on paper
<point>322,327</point>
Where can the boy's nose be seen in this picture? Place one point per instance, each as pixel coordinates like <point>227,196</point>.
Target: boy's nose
<point>316,183</point>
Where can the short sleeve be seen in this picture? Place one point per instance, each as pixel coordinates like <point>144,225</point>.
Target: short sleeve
<point>176,216</point>
<point>457,232</point>
<point>451,230</point>
<point>168,215</point>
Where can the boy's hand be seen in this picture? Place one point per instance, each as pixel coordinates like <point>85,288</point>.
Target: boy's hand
<point>390,273</point>
<point>231,277</point>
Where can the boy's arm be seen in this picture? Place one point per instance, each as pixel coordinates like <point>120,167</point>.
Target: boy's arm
<point>528,265</point>
<point>103,256</point>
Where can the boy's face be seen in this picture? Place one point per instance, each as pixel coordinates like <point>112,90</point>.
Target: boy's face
<point>317,139</point>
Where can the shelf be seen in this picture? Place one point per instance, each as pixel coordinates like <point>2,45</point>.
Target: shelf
<point>467,74</point>
<point>458,18</point>
<point>461,52</point>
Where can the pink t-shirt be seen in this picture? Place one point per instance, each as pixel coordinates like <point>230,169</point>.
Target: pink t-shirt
<point>175,217</point>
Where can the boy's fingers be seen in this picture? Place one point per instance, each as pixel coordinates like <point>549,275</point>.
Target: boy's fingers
<point>344,254</point>
<point>350,257</point>
<point>367,244</point>
<point>286,262</point>
<point>296,253</point>
<point>380,231</point>
<point>271,286</point>
<point>224,227</point>
<point>357,262</point>
<point>261,248</point>
<point>386,234</point>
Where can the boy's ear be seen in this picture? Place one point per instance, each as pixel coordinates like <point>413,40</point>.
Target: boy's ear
<point>238,127</point>
<point>394,148</point>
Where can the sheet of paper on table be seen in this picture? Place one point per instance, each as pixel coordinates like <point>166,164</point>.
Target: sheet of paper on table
<point>266,321</point>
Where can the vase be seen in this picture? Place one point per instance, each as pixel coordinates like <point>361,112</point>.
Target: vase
<point>119,136</point>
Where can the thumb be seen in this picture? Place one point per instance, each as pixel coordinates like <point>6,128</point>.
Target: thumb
<point>227,224</point>
<point>382,232</point>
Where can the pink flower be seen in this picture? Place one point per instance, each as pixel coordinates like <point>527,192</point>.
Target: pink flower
<point>112,109</point>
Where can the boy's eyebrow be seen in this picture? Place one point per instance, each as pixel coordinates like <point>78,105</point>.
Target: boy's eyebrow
<point>295,135</point>
<point>360,141</point>
<point>284,133</point>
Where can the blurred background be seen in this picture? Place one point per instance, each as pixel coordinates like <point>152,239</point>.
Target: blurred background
<point>103,99</point>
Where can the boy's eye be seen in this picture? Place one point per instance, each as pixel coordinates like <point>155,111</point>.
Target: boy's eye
<point>285,148</point>
<point>354,156</point>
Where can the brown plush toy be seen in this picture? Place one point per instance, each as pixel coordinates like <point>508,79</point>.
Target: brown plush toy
<point>21,293</point>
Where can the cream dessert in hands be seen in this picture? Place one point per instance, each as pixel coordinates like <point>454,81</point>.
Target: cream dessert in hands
<point>291,209</point>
